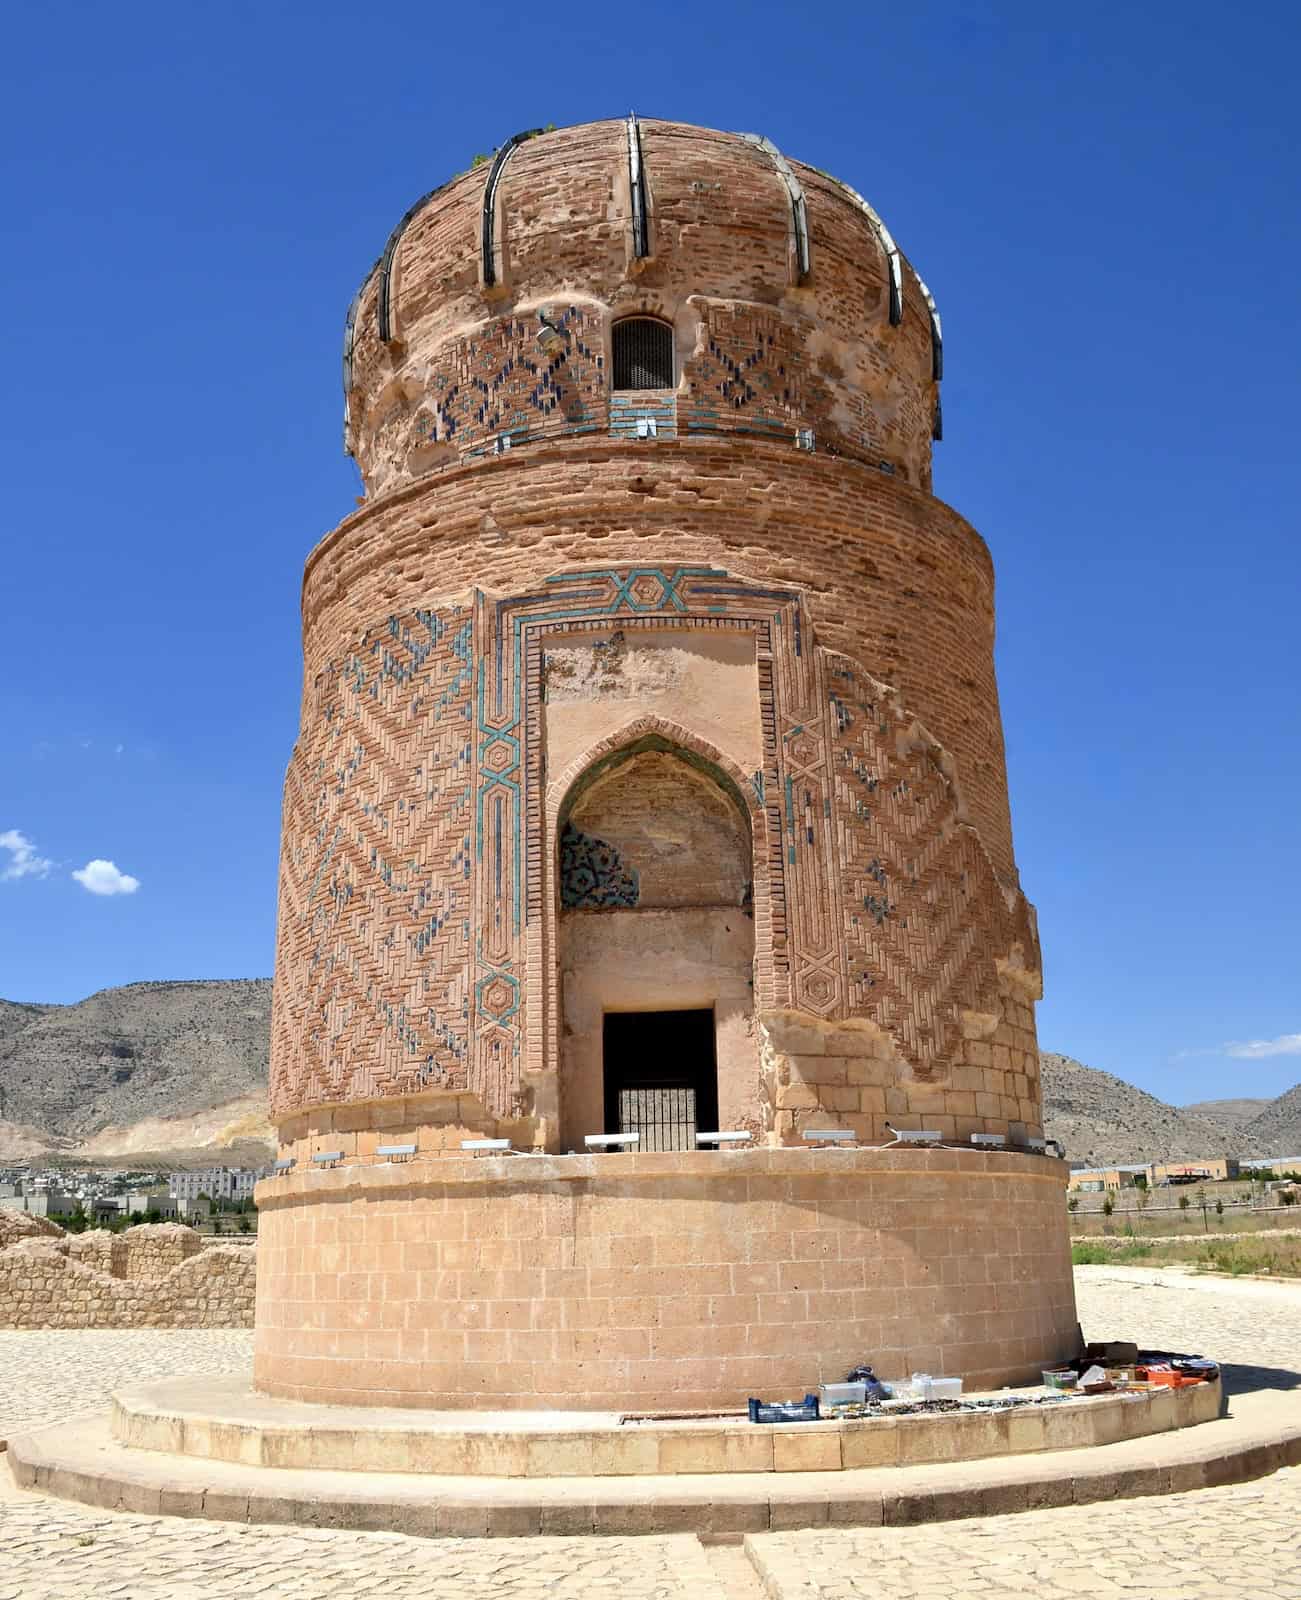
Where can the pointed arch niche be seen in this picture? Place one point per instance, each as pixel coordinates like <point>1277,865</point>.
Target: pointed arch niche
<point>653,867</point>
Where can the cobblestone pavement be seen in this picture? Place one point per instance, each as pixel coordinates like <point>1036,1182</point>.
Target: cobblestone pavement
<point>55,1551</point>
<point>1245,1539</point>
<point>48,1376</point>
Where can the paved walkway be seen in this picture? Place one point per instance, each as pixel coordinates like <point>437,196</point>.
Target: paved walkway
<point>46,1376</point>
<point>1244,1540</point>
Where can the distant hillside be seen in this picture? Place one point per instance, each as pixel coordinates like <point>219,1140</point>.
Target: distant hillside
<point>168,1058</point>
<point>1102,1119</point>
<point>1235,1114</point>
<point>1277,1130</point>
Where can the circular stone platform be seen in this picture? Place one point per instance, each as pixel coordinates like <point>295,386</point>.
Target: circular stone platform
<point>657,1281</point>
<point>222,1419</point>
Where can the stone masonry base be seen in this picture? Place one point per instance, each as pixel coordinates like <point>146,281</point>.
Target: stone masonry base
<point>658,1281</point>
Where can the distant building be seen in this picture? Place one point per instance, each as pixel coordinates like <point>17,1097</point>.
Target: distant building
<point>1210,1169</point>
<point>40,1202</point>
<point>1096,1180</point>
<point>218,1183</point>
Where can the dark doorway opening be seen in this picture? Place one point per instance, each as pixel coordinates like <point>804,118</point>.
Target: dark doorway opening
<point>661,1076</point>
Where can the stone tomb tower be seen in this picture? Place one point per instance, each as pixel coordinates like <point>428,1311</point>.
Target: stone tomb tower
<point>651,779</point>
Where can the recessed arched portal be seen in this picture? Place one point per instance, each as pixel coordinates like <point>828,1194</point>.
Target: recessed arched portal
<point>655,949</point>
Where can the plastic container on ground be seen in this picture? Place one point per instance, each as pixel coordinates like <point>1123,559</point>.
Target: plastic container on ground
<point>1060,1378</point>
<point>844,1394</point>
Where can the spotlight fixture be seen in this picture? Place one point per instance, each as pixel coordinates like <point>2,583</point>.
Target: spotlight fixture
<point>552,339</point>
<point>995,1141</point>
<point>915,1135</point>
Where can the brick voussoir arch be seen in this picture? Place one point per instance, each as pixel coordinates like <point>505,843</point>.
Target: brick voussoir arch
<point>649,726</point>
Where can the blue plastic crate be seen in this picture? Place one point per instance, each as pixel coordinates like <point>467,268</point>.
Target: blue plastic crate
<point>805,1410</point>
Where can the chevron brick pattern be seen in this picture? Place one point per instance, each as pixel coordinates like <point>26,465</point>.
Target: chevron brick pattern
<point>371,993</point>
<point>925,921</point>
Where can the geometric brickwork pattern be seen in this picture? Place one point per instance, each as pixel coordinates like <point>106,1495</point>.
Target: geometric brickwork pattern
<point>751,372</point>
<point>418,908</point>
<point>371,992</point>
<point>498,383</point>
<point>925,918</point>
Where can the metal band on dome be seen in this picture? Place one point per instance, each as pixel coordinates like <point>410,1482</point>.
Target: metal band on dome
<point>637,183</point>
<point>488,243</point>
<point>937,335</point>
<point>887,245</point>
<point>384,305</point>
<point>799,210</point>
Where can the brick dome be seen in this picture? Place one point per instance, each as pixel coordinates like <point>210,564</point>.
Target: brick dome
<point>821,329</point>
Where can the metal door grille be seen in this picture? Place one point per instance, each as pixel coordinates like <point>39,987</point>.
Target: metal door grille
<point>665,1118</point>
<point>643,354</point>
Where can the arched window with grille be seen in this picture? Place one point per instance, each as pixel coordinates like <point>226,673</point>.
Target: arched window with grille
<point>643,354</point>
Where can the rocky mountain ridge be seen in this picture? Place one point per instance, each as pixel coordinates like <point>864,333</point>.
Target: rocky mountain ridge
<point>84,1076</point>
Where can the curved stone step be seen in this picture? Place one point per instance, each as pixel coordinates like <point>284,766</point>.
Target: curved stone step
<point>80,1460</point>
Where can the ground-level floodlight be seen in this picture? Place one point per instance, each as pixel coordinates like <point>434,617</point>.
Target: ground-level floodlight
<point>828,1135</point>
<point>599,1140</point>
<point>477,1145</point>
<point>731,1137</point>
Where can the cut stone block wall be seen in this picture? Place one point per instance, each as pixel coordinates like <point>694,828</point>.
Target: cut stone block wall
<point>658,1281</point>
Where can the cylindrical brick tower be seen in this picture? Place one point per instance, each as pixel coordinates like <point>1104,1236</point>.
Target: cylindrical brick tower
<point>650,779</point>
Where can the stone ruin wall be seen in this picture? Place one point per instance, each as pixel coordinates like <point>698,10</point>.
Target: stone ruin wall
<point>158,1275</point>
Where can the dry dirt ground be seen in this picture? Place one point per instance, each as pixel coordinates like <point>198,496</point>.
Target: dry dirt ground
<point>1243,1541</point>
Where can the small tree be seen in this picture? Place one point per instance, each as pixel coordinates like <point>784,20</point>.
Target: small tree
<point>245,1226</point>
<point>1184,1202</point>
<point>1219,1209</point>
<point>1108,1206</point>
<point>1073,1202</point>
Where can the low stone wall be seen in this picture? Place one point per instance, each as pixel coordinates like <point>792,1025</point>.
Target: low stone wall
<point>158,1276</point>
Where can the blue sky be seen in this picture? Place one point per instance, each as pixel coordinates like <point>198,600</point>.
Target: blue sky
<point>1106,210</point>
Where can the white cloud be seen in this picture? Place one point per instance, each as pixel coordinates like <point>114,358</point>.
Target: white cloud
<point>1287,1044</point>
<point>102,877</point>
<point>23,861</point>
